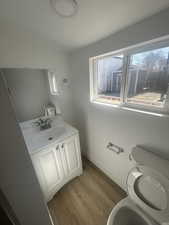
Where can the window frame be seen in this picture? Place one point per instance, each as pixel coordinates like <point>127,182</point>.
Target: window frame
<point>127,53</point>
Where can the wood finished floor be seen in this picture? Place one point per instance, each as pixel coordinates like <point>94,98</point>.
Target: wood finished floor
<point>86,200</point>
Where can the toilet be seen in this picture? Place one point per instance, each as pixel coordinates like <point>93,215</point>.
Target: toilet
<point>148,192</point>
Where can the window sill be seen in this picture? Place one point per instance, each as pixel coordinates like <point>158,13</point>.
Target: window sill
<point>128,108</point>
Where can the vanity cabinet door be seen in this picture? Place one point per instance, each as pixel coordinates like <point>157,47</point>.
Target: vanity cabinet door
<point>71,155</point>
<point>57,164</point>
<point>49,170</point>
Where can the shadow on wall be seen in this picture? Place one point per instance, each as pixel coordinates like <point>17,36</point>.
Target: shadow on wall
<point>29,92</point>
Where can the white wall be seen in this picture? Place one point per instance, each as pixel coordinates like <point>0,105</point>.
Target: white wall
<point>100,124</point>
<point>25,50</point>
<point>20,48</point>
<point>18,180</point>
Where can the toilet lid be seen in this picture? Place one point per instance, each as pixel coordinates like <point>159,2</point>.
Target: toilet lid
<point>150,190</point>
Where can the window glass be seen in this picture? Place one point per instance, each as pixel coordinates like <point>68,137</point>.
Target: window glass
<point>148,77</point>
<point>109,76</point>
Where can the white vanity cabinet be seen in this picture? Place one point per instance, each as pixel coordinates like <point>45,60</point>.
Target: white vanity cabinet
<point>56,164</point>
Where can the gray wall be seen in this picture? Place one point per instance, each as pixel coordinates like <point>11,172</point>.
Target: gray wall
<point>100,124</point>
<point>18,180</point>
<point>29,91</point>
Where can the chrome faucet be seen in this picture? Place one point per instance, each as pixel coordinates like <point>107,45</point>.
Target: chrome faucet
<point>43,123</point>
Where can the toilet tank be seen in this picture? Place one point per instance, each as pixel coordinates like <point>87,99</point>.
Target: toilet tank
<point>151,160</point>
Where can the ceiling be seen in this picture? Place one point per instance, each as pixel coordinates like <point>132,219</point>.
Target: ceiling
<point>95,19</point>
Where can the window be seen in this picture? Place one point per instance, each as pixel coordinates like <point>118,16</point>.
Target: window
<point>53,83</point>
<point>136,77</point>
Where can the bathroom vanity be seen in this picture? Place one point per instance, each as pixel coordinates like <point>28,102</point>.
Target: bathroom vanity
<point>55,154</point>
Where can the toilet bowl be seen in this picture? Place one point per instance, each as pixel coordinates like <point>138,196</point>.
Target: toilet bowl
<point>127,213</point>
<point>148,192</point>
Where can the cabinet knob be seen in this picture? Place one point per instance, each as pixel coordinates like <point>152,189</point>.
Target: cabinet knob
<point>62,146</point>
<point>57,147</point>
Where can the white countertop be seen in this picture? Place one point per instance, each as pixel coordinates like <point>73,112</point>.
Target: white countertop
<point>36,139</point>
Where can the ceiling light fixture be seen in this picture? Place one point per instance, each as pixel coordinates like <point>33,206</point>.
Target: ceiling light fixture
<point>65,8</point>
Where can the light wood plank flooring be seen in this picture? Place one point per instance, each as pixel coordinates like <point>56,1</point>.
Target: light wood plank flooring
<point>86,200</point>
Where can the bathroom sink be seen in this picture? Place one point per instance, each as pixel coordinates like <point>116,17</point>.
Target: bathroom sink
<point>46,136</point>
<point>50,134</point>
<point>42,138</point>
<point>37,139</point>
